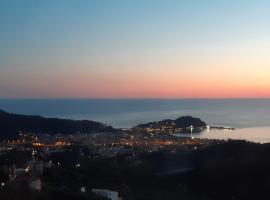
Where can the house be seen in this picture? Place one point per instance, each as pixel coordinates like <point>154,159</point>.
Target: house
<point>35,185</point>
<point>83,189</point>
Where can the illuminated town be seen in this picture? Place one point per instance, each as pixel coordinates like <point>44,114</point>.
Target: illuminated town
<point>39,150</point>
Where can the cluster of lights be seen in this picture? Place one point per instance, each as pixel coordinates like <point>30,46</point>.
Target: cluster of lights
<point>38,144</point>
<point>60,143</point>
<point>34,152</point>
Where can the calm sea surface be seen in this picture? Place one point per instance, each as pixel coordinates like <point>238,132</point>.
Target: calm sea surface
<point>251,117</point>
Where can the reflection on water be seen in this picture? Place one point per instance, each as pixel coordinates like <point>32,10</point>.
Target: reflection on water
<point>255,134</point>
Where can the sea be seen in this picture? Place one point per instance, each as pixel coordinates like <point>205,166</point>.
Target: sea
<point>249,117</point>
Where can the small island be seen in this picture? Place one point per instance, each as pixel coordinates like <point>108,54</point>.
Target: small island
<point>181,124</point>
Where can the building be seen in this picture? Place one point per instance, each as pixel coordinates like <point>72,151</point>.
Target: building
<point>35,185</point>
<point>83,189</point>
<point>111,195</point>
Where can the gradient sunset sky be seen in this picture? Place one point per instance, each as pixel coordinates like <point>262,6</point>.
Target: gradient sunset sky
<point>135,49</point>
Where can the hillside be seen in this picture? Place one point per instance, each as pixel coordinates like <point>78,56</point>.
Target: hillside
<point>181,122</point>
<point>11,124</point>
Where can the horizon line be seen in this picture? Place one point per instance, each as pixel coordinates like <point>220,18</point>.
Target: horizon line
<point>138,98</point>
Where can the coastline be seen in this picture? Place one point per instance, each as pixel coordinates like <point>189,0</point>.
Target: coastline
<point>252,134</point>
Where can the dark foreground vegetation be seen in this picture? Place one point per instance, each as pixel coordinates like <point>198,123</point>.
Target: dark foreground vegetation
<point>230,170</point>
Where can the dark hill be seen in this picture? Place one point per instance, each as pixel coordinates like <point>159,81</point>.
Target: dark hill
<point>181,122</point>
<point>11,124</point>
<point>188,121</point>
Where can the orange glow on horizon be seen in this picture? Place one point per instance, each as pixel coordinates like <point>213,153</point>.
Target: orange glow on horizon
<point>206,81</point>
<point>159,85</point>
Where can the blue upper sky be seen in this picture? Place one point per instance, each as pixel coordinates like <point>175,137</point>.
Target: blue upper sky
<point>140,48</point>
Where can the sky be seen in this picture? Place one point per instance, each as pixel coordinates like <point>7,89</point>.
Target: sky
<point>135,49</point>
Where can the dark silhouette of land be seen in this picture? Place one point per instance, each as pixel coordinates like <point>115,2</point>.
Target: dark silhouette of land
<point>11,124</point>
<point>180,124</point>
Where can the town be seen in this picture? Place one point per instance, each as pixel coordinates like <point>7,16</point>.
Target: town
<point>24,160</point>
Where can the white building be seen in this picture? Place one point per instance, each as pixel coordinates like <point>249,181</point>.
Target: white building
<point>35,185</point>
<point>111,195</point>
<point>83,189</point>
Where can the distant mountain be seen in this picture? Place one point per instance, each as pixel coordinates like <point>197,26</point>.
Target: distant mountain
<point>181,122</point>
<point>11,124</point>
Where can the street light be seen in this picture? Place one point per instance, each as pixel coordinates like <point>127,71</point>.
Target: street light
<point>191,131</point>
